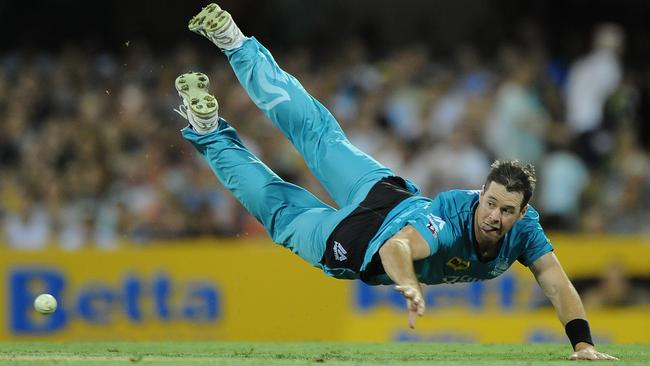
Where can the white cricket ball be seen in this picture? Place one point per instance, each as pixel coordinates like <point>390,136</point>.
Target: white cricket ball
<point>45,304</point>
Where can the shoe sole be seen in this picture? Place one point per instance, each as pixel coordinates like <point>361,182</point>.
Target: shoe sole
<point>193,87</point>
<point>210,19</point>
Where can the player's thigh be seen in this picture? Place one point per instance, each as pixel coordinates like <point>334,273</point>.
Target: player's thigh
<point>346,172</point>
<point>307,232</point>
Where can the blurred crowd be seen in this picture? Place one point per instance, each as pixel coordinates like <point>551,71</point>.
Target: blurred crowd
<point>90,150</point>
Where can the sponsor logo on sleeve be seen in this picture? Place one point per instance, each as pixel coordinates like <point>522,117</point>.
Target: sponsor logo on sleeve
<point>435,224</point>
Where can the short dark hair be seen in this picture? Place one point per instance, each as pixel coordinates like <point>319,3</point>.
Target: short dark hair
<point>515,176</point>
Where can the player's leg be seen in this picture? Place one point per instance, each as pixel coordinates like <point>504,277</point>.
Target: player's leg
<point>346,172</point>
<point>292,216</point>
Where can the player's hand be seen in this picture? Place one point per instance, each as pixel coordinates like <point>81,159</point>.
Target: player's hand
<point>588,352</point>
<point>414,301</point>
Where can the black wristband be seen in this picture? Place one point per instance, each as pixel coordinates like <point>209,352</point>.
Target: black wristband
<point>578,331</point>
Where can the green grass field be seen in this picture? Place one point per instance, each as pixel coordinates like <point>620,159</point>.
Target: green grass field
<point>323,353</point>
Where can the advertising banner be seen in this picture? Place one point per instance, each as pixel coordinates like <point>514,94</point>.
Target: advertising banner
<point>243,290</point>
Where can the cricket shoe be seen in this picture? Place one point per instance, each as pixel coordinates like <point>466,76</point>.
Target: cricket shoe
<point>217,26</point>
<point>199,108</point>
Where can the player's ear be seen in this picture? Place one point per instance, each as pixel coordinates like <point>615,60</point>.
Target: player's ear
<point>523,211</point>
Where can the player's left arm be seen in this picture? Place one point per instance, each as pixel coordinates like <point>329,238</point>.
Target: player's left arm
<point>565,299</point>
<point>397,256</point>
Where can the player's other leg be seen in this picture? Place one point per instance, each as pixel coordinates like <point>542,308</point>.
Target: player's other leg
<point>199,108</point>
<point>346,172</point>
<point>292,216</point>
<point>218,26</point>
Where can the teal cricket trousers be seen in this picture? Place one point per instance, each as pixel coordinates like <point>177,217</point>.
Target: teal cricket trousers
<point>292,216</point>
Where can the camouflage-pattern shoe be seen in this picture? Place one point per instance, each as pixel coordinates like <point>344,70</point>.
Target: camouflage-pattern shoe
<point>217,26</point>
<point>199,107</point>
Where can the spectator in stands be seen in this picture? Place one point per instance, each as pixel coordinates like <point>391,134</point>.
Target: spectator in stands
<point>592,79</point>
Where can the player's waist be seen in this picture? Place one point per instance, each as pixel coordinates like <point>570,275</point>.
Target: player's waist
<point>348,242</point>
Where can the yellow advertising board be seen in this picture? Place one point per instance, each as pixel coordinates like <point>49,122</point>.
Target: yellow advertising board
<point>243,290</point>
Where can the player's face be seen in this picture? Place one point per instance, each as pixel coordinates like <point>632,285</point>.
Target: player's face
<point>497,211</point>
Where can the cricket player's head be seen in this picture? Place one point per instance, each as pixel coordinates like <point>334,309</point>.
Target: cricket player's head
<point>504,199</point>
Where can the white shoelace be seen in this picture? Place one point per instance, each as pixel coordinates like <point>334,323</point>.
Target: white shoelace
<point>182,111</point>
<point>199,124</point>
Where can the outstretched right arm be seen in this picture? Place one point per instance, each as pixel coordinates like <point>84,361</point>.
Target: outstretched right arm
<point>397,256</point>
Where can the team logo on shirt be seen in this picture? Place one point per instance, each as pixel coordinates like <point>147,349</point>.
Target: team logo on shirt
<point>500,267</point>
<point>339,252</point>
<point>435,224</point>
<point>458,264</point>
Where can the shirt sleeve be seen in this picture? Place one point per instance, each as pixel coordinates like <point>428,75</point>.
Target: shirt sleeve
<point>428,232</point>
<point>435,225</point>
<point>536,244</point>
